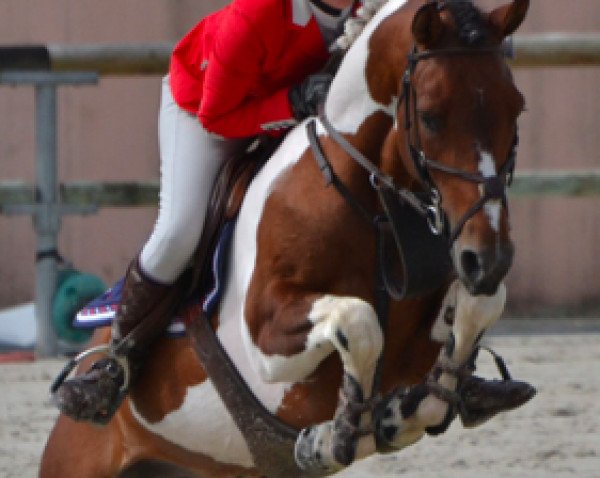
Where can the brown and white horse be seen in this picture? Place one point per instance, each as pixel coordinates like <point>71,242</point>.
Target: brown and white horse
<point>297,317</point>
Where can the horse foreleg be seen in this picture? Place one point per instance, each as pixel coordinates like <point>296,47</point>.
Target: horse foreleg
<point>351,325</point>
<point>429,407</point>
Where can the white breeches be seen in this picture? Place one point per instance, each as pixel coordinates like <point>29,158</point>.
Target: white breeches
<point>190,158</point>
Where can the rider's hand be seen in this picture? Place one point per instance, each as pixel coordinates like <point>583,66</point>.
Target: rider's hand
<point>305,97</point>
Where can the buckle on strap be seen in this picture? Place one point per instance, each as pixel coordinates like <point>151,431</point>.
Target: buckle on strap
<point>104,349</point>
<point>434,215</point>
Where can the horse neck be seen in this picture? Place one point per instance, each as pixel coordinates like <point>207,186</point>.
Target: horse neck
<point>349,102</point>
<point>351,107</point>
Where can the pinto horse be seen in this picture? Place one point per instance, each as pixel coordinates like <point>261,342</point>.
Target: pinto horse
<point>423,101</point>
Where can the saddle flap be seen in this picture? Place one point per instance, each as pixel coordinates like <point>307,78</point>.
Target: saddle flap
<point>226,199</point>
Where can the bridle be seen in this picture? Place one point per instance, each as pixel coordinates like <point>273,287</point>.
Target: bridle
<point>429,204</point>
<point>493,187</point>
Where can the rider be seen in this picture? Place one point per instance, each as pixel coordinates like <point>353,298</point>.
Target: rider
<point>246,70</point>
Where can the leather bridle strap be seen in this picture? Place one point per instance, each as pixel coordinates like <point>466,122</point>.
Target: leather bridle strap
<point>378,177</point>
<point>494,187</point>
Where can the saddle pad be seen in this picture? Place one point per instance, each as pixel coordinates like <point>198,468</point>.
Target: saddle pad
<point>101,311</point>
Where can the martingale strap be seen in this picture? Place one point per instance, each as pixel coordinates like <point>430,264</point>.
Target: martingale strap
<point>416,261</point>
<point>270,441</point>
<point>412,260</point>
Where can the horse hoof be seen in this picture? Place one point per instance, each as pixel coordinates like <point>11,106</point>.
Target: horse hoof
<point>482,399</point>
<point>312,450</point>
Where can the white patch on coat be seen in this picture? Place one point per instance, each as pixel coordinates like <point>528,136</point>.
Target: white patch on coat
<point>203,425</point>
<point>492,208</point>
<point>475,313</point>
<point>258,370</point>
<point>356,322</point>
<point>349,102</point>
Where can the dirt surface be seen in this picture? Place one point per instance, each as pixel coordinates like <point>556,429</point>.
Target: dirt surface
<point>556,435</point>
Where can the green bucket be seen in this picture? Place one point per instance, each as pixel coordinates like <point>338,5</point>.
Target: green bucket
<point>74,290</point>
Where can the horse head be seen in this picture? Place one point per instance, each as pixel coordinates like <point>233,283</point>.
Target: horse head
<point>456,127</point>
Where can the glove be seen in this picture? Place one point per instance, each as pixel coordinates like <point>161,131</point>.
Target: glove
<point>305,97</point>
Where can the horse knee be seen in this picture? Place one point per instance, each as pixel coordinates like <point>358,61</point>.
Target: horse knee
<point>351,325</point>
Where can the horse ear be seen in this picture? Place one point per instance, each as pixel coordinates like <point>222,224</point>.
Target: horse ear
<point>427,26</point>
<point>508,18</point>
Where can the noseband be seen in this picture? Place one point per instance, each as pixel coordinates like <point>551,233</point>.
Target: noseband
<point>493,187</point>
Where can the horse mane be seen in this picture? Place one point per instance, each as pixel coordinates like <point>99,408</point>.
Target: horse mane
<point>470,27</point>
<point>355,24</point>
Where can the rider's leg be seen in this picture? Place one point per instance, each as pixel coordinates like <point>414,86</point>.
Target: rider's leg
<point>190,160</point>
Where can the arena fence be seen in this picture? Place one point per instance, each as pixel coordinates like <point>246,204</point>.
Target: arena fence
<point>47,67</point>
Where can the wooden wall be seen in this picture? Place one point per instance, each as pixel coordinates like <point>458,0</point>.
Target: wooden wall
<point>108,132</point>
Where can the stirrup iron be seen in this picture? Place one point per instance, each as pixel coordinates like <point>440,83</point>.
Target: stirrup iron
<point>104,349</point>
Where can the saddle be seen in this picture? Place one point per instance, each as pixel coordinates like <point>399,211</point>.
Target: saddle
<point>226,199</point>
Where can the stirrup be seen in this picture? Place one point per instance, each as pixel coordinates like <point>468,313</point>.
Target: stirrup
<point>104,349</point>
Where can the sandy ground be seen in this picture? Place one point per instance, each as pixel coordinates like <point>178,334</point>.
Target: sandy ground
<point>556,435</point>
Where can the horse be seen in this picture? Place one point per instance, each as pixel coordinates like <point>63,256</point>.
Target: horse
<point>423,105</point>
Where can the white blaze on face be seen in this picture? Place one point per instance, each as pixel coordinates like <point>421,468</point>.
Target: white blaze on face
<point>492,208</point>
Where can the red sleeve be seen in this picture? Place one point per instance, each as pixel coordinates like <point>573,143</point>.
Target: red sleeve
<point>229,106</point>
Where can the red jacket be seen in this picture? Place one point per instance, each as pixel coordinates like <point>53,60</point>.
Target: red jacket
<point>235,67</point>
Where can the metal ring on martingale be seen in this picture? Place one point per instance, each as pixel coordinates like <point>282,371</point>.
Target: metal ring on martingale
<point>374,180</point>
<point>434,214</point>
<point>434,220</point>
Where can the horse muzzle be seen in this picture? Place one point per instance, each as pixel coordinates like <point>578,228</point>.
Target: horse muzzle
<point>482,270</point>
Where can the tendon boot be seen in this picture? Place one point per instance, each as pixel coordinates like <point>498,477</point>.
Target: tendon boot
<point>145,310</point>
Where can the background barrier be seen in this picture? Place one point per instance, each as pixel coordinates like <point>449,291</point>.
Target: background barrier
<point>533,50</point>
<point>126,60</point>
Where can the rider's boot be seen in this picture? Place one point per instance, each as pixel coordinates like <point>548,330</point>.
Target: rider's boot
<point>145,310</point>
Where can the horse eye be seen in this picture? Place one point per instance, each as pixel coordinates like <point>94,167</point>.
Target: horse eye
<point>432,122</point>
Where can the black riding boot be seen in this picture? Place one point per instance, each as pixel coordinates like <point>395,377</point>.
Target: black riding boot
<point>145,310</point>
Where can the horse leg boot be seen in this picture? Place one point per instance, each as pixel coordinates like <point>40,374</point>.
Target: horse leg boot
<point>145,309</point>
<point>476,399</point>
<point>351,326</point>
<point>430,407</point>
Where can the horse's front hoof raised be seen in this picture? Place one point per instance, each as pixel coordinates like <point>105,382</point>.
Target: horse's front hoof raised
<point>482,399</point>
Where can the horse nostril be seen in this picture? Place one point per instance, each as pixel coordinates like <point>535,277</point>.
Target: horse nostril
<point>469,262</point>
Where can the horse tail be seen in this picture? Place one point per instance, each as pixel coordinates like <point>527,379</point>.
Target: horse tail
<point>355,24</point>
